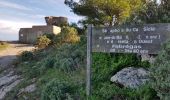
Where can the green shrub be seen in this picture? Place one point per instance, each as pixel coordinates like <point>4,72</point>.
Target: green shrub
<point>106,65</point>
<point>67,57</point>
<point>145,64</point>
<point>69,35</point>
<point>26,56</point>
<point>160,73</point>
<point>108,91</point>
<point>58,90</point>
<point>50,36</point>
<point>30,69</point>
<point>54,38</point>
<point>81,30</point>
<point>144,92</point>
<point>70,57</point>
<point>43,42</point>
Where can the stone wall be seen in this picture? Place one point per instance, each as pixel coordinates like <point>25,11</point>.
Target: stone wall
<point>30,35</point>
<point>57,21</point>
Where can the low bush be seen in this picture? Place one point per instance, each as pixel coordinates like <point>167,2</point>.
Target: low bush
<point>43,42</point>
<point>106,65</point>
<point>26,56</point>
<point>57,85</point>
<point>108,91</point>
<point>160,73</point>
<point>58,90</point>
<point>69,35</point>
<point>67,57</point>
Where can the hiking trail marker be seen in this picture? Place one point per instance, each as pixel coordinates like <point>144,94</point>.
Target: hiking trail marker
<point>139,39</point>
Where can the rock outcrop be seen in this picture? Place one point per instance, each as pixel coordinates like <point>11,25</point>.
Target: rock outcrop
<point>7,83</point>
<point>131,77</point>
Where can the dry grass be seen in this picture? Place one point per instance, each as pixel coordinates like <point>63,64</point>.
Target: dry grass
<point>3,45</point>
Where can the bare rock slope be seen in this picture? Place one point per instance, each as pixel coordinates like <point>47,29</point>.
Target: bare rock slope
<point>8,78</point>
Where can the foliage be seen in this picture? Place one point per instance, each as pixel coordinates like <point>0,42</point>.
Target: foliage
<point>52,70</point>
<point>43,42</point>
<point>164,11</point>
<point>108,91</point>
<point>67,57</point>
<point>53,74</point>
<point>51,37</point>
<point>107,65</point>
<point>26,56</point>
<point>152,12</point>
<point>160,73</point>
<point>144,92</point>
<point>104,11</point>
<point>80,30</point>
<point>74,82</point>
<point>58,90</point>
<point>58,70</point>
<point>69,35</point>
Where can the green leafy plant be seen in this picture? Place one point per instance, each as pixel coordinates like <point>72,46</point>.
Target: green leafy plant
<point>160,73</point>
<point>43,42</point>
<point>69,35</point>
<point>26,56</point>
<point>58,90</point>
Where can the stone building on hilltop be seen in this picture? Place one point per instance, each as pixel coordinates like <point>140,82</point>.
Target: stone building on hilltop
<point>30,35</point>
<point>57,21</point>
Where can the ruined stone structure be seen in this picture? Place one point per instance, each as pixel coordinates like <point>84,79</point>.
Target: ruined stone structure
<point>57,21</point>
<point>30,35</point>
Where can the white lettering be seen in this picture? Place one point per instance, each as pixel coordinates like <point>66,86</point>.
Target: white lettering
<point>148,29</point>
<point>145,41</point>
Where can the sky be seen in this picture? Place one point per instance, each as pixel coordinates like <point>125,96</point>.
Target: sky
<point>16,14</point>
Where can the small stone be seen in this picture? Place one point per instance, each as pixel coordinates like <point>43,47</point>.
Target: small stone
<point>28,89</point>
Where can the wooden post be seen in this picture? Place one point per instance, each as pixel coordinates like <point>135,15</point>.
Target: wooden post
<point>89,61</point>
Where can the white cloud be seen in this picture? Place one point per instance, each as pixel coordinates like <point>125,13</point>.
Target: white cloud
<point>13,5</point>
<point>37,16</point>
<point>9,29</point>
<point>15,26</point>
<point>12,28</point>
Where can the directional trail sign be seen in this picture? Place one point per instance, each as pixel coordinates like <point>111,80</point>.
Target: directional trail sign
<point>143,39</point>
<point>140,39</point>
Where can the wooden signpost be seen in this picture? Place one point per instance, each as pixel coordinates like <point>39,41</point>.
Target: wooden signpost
<point>139,39</point>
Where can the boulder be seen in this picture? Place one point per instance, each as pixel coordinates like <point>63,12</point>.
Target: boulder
<point>131,77</point>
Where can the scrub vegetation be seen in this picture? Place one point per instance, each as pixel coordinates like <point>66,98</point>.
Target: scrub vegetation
<point>59,69</point>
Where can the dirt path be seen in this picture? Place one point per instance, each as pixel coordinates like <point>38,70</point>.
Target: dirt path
<point>9,54</point>
<point>8,79</point>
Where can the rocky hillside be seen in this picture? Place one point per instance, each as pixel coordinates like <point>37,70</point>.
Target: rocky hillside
<point>9,78</point>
